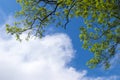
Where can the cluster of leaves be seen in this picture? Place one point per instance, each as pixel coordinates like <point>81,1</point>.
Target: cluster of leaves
<point>101,35</point>
<point>102,19</point>
<point>37,14</point>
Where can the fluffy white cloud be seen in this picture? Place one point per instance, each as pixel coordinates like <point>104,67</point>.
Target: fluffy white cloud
<point>43,59</point>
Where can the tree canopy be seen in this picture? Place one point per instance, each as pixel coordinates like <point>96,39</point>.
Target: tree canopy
<point>101,35</point>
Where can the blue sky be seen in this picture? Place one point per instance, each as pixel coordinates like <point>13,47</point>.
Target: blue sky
<point>68,38</point>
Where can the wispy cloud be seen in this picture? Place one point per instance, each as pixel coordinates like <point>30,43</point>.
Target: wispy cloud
<point>3,33</point>
<point>3,16</point>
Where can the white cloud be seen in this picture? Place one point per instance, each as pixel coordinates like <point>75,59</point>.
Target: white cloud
<point>39,59</point>
<point>43,59</point>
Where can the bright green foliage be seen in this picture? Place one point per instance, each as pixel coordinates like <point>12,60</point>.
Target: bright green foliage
<point>101,35</point>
